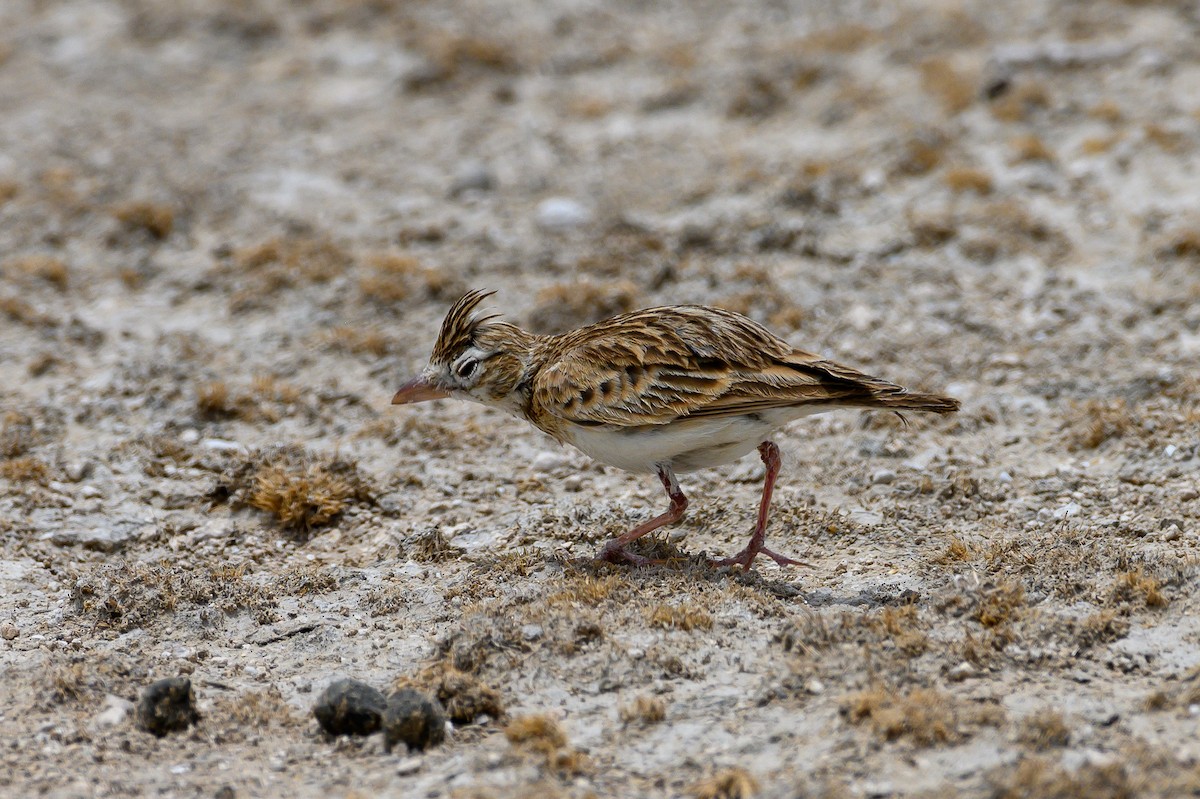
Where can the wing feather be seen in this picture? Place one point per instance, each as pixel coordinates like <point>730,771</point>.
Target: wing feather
<point>662,364</point>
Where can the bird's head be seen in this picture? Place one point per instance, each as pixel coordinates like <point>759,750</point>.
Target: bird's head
<point>474,358</point>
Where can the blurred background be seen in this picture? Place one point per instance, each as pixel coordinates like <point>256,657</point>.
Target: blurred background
<point>230,228</point>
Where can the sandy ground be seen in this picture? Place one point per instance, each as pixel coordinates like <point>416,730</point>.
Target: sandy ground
<point>228,231</point>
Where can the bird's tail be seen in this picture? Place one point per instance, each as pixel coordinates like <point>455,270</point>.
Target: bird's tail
<point>899,399</point>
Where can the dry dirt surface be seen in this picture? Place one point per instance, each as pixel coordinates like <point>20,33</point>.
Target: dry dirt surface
<point>229,229</point>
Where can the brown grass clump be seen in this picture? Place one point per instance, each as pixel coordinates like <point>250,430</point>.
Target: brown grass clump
<point>1044,730</point>
<point>963,179</point>
<point>124,596</point>
<point>213,399</point>
<point>1183,242</point>
<point>434,547</point>
<point>922,154</point>
<point>358,342</point>
<point>1134,586</point>
<point>1171,141</point>
<point>263,270</point>
<point>644,711</point>
<point>680,617</point>
<point>955,90</point>
<point>156,219</point>
<point>564,306</point>
<point>955,551</point>
<point>1028,147</point>
<point>393,277</point>
<point>1045,779</point>
<point>842,39</point>
<point>20,311</point>
<point>43,267</point>
<point>730,783</point>
<point>68,684</point>
<point>1102,627</point>
<point>25,470</point>
<point>266,399</point>
<point>1099,145</point>
<point>587,590</point>
<point>453,53</point>
<point>1021,102</point>
<point>1000,605</point>
<point>464,696</point>
<point>932,230</point>
<point>258,709</point>
<point>541,735</point>
<point>300,499</point>
<point>17,434</point>
<point>903,626</point>
<point>1095,421</point>
<point>1106,111</point>
<point>926,716</point>
<point>315,258</point>
<point>538,732</point>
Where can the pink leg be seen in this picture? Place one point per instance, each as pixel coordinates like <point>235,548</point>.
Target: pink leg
<point>770,458</point>
<point>615,551</point>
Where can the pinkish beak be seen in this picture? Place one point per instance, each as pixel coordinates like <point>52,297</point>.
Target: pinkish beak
<point>418,390</point>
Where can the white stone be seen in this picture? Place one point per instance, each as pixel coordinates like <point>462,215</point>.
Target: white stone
<point>561,213</point>
<point>1067,511</point>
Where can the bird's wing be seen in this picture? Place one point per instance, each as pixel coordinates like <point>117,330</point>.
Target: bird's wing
<point>663,364</point>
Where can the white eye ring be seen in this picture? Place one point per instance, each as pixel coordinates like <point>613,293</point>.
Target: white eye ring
<point>466,368</point>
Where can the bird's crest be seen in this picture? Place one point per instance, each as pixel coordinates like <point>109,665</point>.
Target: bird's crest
<point>460,326</point>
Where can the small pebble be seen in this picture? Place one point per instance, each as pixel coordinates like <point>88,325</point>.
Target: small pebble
<point>1004,477</point>
<point>409,765</point>
<point>883,477</point>
<point>531,632</point>
<point>221,445</point>
<point>961,672</point>
<point>548,461</point>
<point>472,176</point>
<point>189,436</point>
<point>350,707</point>
<point>1067,511</point>
<point>77,470</point>
<point>561,213</point>
<point>116,710</point>
<point>168,706</point>
<point>414,719</point>
<point>9,631</point>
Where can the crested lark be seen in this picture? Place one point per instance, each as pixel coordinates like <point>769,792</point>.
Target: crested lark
<point>662,390</point>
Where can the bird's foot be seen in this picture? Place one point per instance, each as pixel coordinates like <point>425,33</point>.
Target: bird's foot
<point>747,556</point>
<point>615,553</point>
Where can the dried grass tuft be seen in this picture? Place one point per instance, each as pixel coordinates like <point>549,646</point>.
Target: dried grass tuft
<point>300,499</point>
<point>730,783</point>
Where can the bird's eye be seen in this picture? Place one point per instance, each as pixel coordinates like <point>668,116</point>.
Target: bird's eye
<point>467,368</point>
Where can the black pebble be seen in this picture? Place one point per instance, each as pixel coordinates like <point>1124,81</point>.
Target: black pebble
<point>350,707</point>
<point>414,719</point>
<point>168,706</point>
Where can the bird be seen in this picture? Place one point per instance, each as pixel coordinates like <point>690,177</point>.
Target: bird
<point>662,391</point>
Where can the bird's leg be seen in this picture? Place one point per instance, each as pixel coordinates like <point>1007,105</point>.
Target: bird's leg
<point>770,459</point>
<point>615,551</point>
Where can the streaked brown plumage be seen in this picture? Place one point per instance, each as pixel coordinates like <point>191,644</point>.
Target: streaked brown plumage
<point>659,390</point>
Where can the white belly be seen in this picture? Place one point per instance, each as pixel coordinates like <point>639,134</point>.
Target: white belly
<point>685,445</point>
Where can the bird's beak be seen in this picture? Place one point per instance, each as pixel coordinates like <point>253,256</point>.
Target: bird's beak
<point>419,389</point>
